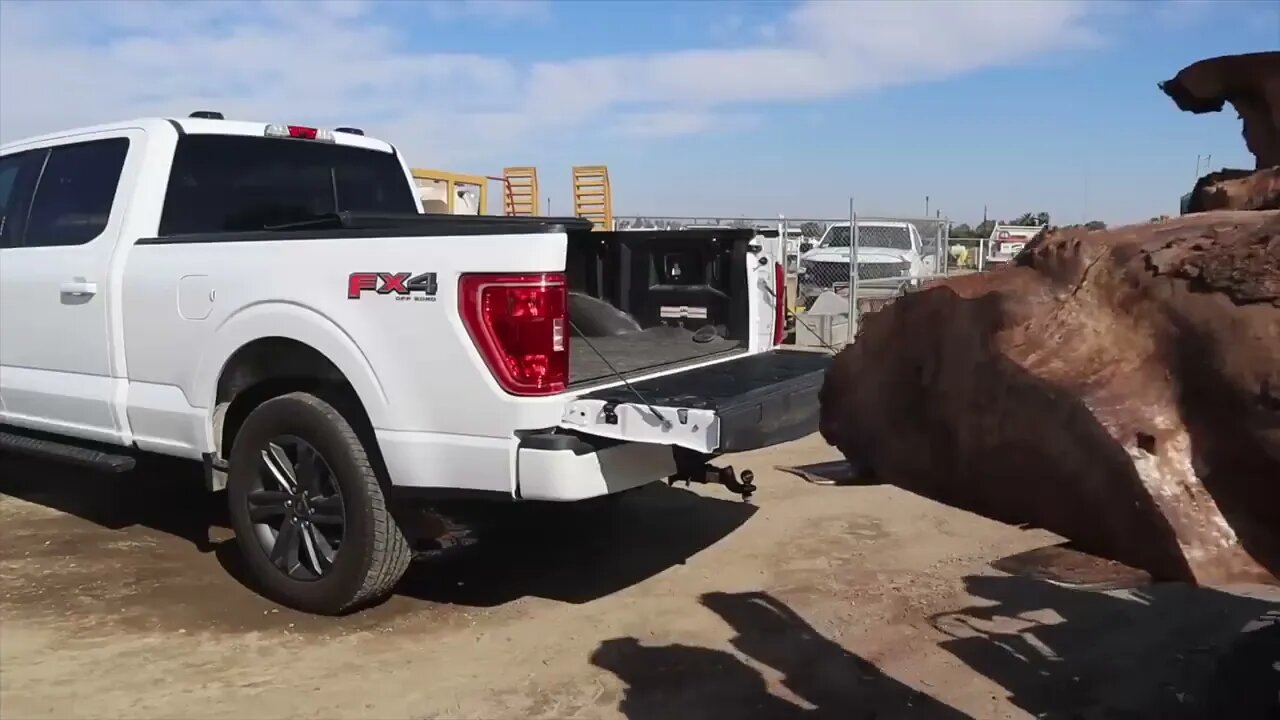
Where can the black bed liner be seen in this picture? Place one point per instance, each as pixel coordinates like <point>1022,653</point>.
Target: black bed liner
<point>761,399</point>
<point>643,351</point>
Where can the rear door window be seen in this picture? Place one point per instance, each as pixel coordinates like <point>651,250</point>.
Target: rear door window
<point>76,192</point>
<point>233,183</point>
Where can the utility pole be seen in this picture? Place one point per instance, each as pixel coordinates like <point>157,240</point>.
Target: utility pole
<point>1208,164</point>
<point>926,206</point>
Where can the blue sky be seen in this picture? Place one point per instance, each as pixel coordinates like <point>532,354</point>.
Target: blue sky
<point>707,107</point>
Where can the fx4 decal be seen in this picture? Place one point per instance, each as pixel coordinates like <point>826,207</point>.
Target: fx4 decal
<point>405,286</point>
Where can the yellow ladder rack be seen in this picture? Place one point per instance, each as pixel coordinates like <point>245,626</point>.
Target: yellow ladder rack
<point>521,196</point>
<point>591,196</point>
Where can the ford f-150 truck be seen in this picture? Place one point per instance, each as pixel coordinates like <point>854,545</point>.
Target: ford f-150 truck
<point>270,301</point>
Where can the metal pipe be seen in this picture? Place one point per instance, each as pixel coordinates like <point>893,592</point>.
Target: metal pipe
<point>853,273</point>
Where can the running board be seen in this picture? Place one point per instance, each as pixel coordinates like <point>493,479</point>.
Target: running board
<point>65,452</point>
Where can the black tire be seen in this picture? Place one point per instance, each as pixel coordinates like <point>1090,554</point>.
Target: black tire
<point>371,553</point>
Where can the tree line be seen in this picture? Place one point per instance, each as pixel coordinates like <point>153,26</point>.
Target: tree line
<point>984,228</point>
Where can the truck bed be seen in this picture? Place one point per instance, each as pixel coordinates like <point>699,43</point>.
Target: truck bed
<point>649,349</point>
<point>664,286</point>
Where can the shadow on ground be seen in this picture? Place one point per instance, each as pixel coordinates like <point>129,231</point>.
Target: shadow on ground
<point>162,494</point>
<point>1165,651</point>
<point>1169,652</point>
<point>573,553</point>
<point>667,681</point>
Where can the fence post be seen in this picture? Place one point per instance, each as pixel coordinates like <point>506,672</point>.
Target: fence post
<point>944,254</point>
<point>853,274</point>
<point>783,226</point>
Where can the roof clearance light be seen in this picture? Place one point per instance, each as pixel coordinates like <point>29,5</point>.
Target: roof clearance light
<point>299,132</point>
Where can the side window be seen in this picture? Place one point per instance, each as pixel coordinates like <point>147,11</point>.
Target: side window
<point>76,191</point>
<point>12,198</point>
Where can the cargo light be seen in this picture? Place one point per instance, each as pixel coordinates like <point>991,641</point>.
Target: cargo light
<point>299,132</point>
<point>517,322</point>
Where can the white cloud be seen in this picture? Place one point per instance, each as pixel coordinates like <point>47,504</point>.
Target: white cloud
<point>64,64</point>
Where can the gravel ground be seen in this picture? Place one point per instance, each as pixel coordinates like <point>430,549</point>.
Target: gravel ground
<point>119,599</point>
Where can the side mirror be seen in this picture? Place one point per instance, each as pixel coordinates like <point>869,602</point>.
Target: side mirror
<point>806,247</point>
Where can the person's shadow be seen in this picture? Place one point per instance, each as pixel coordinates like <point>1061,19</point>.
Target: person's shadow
<point>682,681</point>
<point>1168,651</point>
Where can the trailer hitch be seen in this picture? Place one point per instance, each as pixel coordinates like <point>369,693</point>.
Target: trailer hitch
<point>693,468</point>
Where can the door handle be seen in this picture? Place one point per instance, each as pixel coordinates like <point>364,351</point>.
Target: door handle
<point>79,288</point>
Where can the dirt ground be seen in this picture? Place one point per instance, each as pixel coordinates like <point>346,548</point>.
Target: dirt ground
<point>119,600</point>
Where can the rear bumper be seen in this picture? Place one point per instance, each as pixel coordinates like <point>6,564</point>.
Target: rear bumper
<point>565,468</point>
<point>548,466</point>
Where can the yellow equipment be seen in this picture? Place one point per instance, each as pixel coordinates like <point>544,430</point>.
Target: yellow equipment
<point>591,195</point>
<point>521,197</point>
<point>450,193</point>
<point>441,191</point>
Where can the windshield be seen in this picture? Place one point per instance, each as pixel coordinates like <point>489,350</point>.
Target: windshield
<point>236,183</point>
<point>869,236</point>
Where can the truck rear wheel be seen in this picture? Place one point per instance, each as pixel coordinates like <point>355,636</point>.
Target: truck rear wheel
<point>308,509</point>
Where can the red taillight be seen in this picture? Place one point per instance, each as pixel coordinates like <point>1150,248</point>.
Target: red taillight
<point>518,324</point>
<point>299,132</point>
<point>779,303</point>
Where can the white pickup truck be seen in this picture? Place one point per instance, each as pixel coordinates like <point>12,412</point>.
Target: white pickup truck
<point>888,251</point>
<point>1006,241</point>
<point>270,301</point>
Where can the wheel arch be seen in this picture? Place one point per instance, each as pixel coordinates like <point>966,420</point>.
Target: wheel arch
<point>289,347</point>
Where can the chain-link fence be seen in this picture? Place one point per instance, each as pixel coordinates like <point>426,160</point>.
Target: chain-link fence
<point>839,269</point>
<point>859,265</point>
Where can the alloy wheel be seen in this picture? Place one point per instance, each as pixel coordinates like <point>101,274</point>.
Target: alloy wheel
<point>296,508</point>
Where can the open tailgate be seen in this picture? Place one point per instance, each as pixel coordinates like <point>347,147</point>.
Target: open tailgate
<point>742,404</point>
